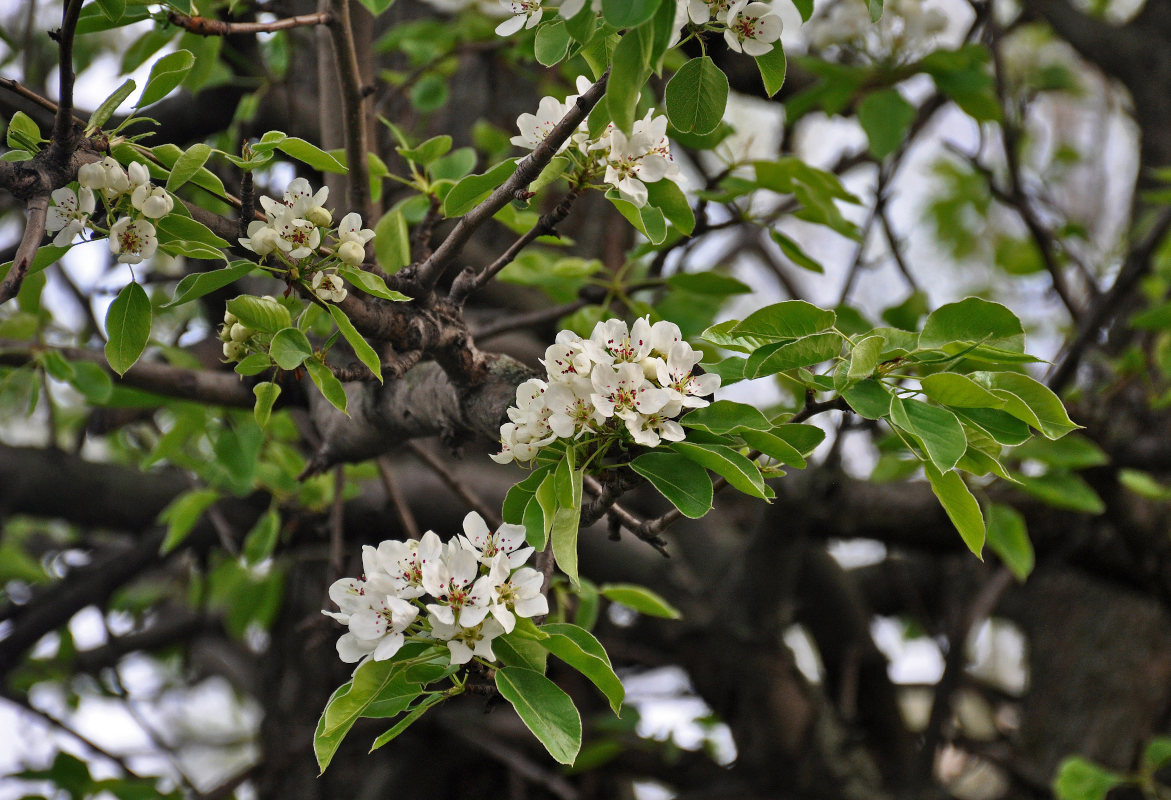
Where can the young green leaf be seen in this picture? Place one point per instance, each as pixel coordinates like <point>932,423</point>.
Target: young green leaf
<point>790,319</point>
<point>430,150</point>
<point>772,67</point>
<point>726,416</point>
<point>310,154</point>
<point>187,165</point>
<point>803,352</point>
<point>392,241</point>
<point>937,429</point>
<point>331,388</point>
<point>723,460</point>
<point>371,284</point>
<point>682,481</point>
<point>885,116</point>
<point>566,522</point>
<point>628,13</point>
<point>1009,539</point>
<point>640,598</point>
<point>260,313</point>
<point>261,540</point>
<point>1079,779</point>
<point>551,43</point>
<point>181,515</point>
<point>361,347</point>
<point>959,504</point>
<point>774,447</point>
<point>794,253</point>
<point>579,649</point>
<point>290,348</point>
<point>546,710</point>
<point>199,284</point>
<point>696,96</point>
<point>266,394</point>
<point>107,107</point>
<point>412,716</point>
<point>628,73</point>
<point>469,191</point>
<point>128,323</point>
<point>166,74</point>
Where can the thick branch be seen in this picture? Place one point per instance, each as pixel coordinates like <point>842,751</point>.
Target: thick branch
<point>63,122</point>
<point>34,231</point>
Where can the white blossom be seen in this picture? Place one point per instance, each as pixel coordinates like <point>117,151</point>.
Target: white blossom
<point>684,389</point>
<point>404,562</point>
<point>752,28</point>
<point>329,287</point>
<point>465,643</point>
<point>153,201</point>
<point>450,580</point>
<point>641,158</point>
<point>612,342</point>
<point>624,391</point>
<point>506,541</point>
<point>262,238</point>
<point>535,128</point>
<point>378,629</point>
<point>703,11</point>
<point>69,214</point>
<point>572,411</point>
<point>132,240</point>
<point>525,14</point>
<point>514,593</point>
<point>350,230</point>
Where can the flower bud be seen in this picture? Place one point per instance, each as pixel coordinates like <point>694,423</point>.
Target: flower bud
<point>239,333</point>
<point>230,318</point>
<point>234,351</point>
<point>91,176</point>
<point>351,253</point>
<point>319,216</point>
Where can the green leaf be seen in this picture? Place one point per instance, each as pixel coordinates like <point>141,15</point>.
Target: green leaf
<point>260,313</point>
<point>886,117</point>
<point>181,515</point>
<point>696,96</point>
<point>1001,426</point>
<point>963,75</point>
<point>649,220</point>
<point>187,165</point>
<point>952,389</point>
<point>961,507</point>
<point>641,599</point>
<point>679,479</point>
<point>1029,401</point>
<point>579,649</point>
<point>166,74</point>
<point>790,319</point>
<point>774,447</point>
<point>108,106</point>
<point>971,321</point>
<point>670,200</point>
<point>290,348</point>
<point>92,381</point>
<point>1079,779</point>
<point>430,150</point>
<point>726,416</point>
<point>628,13</point>
<point>253,364</point>
<point>805,438</point>
<point>773,66</point>
<point>628,74</point>
<point>176,226</point>
<point>805,8</point>
<point>1156,754</point>
<point>310,154</point>
<point>1144,485</point>
<point>392,241</point>
<point>1009,539</point>
<point>707,283</point>
<point>566,522</point>
<point>869,398</point>
<point>539,513</point>
<point>128,323</point>
<point>552,42</point>
<point>376,7</point>
<point>804,352</point>
<point>546,710</point>
<point>1062,489</point>
<point>469,191</point>
<point>261,540</point>
<point>412,716</point>
<point>864,358</point>
<point>23,132</point>
<point>361,347</point>
<point>936,429</point>
<point>199,284</point>
<point>794,253</point>
<point>331,388</point>
<point>113,9</point>
<point>266,394</point>
<point>519,495</point>
<point>371,284</point>
<point>723,460</point>
<point>875,7</point>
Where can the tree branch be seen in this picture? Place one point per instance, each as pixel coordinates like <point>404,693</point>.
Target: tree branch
<point>34,232</point>
<point>346,57</point>
<point>205,26</point>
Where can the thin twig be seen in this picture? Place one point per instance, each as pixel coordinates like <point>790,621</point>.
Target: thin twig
<point>341,36</point>
<point>429,272</point>
<point>34,231</point>
<point>401,507</point>
<point>28,94</point>
<point>204,26</point>
<point>896,249</point>
<point>455,484</point>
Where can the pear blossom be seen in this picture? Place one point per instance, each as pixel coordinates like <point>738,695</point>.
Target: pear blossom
<point>262,238</point>
<point>377,630</point>
<point>404,562</point>
<point>450,579</point>
<point>703,11</point>
<point>486,544</point>
<point>132,240</point>
<point>297,237</point>
<point>612,342</point>
<point>649,429</point>
<point>69,213</point>
<point>752,27</point>
<point>572,409</point>
<point>641,158</point>
<point>153,201</point>
<point>329,287</point>
<point>562,361</point>
<point>684,389</point>
<point>106,175</point>
<point>350,230</point>
<point>465,643</point>
<point>514,594</point>
<point>535,128</point>
<point>526,14</point>
<point>624,391</point>
<point>570,8</point>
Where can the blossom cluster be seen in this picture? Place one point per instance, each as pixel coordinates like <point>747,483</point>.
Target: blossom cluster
<point>906,28</point>
<point>237,337</point>
<point>463,593</point>
<point>130,199</point>
<point>626,163</point>
<point>292,232</point>
<point>621,381</point>
<point>750,27</point>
